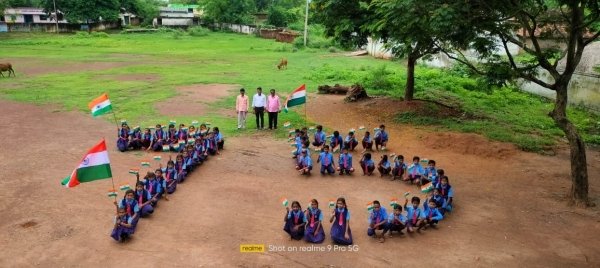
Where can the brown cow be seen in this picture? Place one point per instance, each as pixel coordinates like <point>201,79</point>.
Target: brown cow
<point>7,67</point>
<point>282,64</point>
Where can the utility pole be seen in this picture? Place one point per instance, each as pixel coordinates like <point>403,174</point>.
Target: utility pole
<point>306,23</point>
<point>56,17</point>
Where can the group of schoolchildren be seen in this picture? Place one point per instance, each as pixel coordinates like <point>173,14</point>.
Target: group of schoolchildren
<point>308,224</point>
<point>163,181</point>
<point>171,139</point>
<point>304,163</point>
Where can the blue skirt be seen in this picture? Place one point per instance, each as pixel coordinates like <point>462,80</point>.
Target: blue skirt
<point>337,234</point>
<point>289,228</point>
<point>146,210</point>
<point>121,232</point>
<point>309,235</point>
<point>122,145</point>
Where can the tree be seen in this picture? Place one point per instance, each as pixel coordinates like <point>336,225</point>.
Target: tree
<point>575,23</point>
<point>145,9</point>
<point>86,11</point>
<point>412,29</point>
<point>233,11</point>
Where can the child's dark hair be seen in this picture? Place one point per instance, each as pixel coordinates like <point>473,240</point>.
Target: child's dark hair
<point>384,157</point>
<point>440,172</point>
<point>416,158</point>
<point>431,162</point>
<point>297,130</point>
<point>376,202</point>
<point>398,207</point>
<point>401,157</point>
<point>350,133</point>
<point>445,178</point>
<point>306,143</point>
<point>415,199</point>
<point>431,200</point>
<point>129,192</point>
<point>336,133</point>
<point>171,125</point>
<point>242,90</point>
<point>368,133</point>
<point>216,129</point>
<point>368,156</point>
<point>382,126</point>
<point>314,201</point>
<point>170,162</point>
<point>139,183</point>
<point>151,174</point>
<point>343,200</point>
<point>319,127</point>
<point>345,149</point>
<point>296,203</point>
<point>325,147</point>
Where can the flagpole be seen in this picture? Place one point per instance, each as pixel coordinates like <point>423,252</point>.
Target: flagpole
<point>305,108</point>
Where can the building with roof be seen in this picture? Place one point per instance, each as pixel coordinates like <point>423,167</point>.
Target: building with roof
<point>178,15</point>
<point>29,19</point>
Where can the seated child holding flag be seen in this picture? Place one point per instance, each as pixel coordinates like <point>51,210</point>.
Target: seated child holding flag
<point>431,214</point>
<point>384,166</point>
<point>159,139</point>
<point>136,139</point>
<point>295,221</point>
<point>123,138</point>
<point>326,160</point>
<point>350,141</point>
<point>377,221</point>
<point>414,214</point>
<point>144,199</point>
<point>367,164</point>
<point>336,141</point>
<point>345,163</point>
<point>314,233</point>
<point>415,171</point>
<point>447,192</point>
<point>381,138</point>
<point>154,187</point>
<point>367,142</point>
<point>399,170</point>
<point>320,137</point>
<point>124,227</point>
<point>396,221</point>
<point>304,165</point>
<point>340,223</point>
<point>130,205</point>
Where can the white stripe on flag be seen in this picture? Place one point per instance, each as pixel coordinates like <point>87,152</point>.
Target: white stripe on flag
<point>299,94</point>
<point>95,159</point>
<point>101,105</point>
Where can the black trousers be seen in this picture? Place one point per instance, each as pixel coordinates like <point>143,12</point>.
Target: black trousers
<point>273,120</point>
<point>260,117</point>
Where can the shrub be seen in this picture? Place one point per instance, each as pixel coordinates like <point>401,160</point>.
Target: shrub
<point>100,35</point>
<point>198,31</point>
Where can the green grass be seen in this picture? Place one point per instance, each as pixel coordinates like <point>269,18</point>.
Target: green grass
<point>178,58</point>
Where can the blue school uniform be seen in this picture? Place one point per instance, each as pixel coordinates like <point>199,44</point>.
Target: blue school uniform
<point>136,139</point>
<point>447,192</point>
<point>154,187</point>
<point>167,186</point>
<point>121,232</point>
<point>350,142</point>
<point>219,140</point>
<point>209,146</point>
<point>326,160</point>
<point>431,214</point>
<point>399,168</point>
<point>381,136</point>
<point>413,215</point>
<point>386,164</point>
<point>338,227</point>
<point>431,174</point>
<point>336,141</point>
<point>298,143</point>
<point>123,140</point>
<point>376,217</point>
<point>159,138</point>
<point>307,163</point>
<point>181,171</point>
<point>367,165</point>
<point>171,177</point>
<point>313,217</point>
<point>143,197</point>
<point>345,163</point>
<point>396,222</point>
<point>132,208</point>
<point>320,138</point>
<point>293,219</point>
<point>415,171</point>
<point>440,201</point>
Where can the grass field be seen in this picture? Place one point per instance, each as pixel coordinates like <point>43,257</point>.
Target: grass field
<point>176,59</point>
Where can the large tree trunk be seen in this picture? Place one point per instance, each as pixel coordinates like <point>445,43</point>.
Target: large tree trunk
<point>579,174</point>
<point>410,79</point>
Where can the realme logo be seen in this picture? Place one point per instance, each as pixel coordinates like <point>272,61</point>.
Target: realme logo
<point>252,248</point>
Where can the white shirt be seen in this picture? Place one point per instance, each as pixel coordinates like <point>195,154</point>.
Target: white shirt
<point>259,101</point>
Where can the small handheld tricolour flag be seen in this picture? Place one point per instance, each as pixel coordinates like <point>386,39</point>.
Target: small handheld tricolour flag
<point>361,128</point>
<point>369,206</point>
<point>145,163</point>
<point>157,157</point>
<point>95,165</point>
<point>331,203</point>
<point>297,97</point>
<point>287,124</point>
<point>406,194</point>
<point>134,171</point>
<point>166,148</point>
<point>427,187</point>
<point>284,201</point>
<point>100,105</point>
<point>112,193</point>
<point>393,202</point>
<point>124,187</point>
<point>207,124</point>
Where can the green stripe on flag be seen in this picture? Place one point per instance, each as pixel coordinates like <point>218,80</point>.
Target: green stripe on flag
<point>93,173</point>
<point>102,111</point>
<point>295,102</point>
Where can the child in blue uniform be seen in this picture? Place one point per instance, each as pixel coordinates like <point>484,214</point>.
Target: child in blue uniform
<point>181,168</point>
<point>304,163</point>
<point>447,192</point>
<point>340,223</point>
<point>396,221</point>
<point>367,142</point>
<point>136,139</point>
<point>159,139</point>
<point>326,160</point>
<point>295,221</point>
<point>336,141</point>
<point>384,166</point>
<point>154,187</point>
<point>345,163</point>
<point>381,138</point>
<point>440,201</point>
<point>172,140</point>
<point>123,228</point>
<point>219,138</point>
<point>414,214</point>
<point>367,164</point>
<point>123,139</point>
<point>378,221</point>
<point>131,206</point>
<point>314,227</point>
<point>350,141</point>
<point>146,139</point>
<point>144,200</point>
<point>431,174</point>
<point>399,168</point>
<point>431,215</point>
<point>415,171</point>
<point>170,174</point>
<point>320,138</point>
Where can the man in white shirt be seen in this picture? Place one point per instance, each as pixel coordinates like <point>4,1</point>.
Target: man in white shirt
<point>258,103</point>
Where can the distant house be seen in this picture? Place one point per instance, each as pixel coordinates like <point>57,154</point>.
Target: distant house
<point>178,15</point>
<point>127,19</point>
<point>29,19</point>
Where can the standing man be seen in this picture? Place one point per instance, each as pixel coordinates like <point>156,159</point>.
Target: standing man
<point>273,107</point>
<point>258,103</point>
<point>241,107</point>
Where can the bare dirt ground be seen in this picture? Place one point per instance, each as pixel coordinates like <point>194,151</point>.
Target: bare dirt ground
<point>193,100</point>
<point>510,210</point>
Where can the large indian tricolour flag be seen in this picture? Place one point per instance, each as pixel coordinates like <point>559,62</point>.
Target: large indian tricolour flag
<point>100,105</point>
<point>94,166</point>
<point>297,97</point>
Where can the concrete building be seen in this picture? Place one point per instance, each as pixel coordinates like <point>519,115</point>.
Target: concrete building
<point>29,19</point>
<point>178,15</point>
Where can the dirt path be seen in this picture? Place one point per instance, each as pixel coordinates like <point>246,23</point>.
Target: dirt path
<point>234,199</point>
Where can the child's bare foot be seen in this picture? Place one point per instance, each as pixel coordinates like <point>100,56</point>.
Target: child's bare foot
<point>382,239</point>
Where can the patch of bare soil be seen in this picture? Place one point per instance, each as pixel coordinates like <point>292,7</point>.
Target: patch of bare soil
<point>194,99</point>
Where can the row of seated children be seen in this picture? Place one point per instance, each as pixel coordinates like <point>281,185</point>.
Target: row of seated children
<point>158,185</point>
<point>170,140</point>
<point>308,224</point>
<point>336,142</point>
